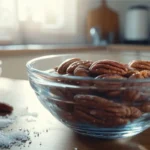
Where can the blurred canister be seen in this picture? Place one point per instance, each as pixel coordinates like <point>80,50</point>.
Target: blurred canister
<point>137,25</point>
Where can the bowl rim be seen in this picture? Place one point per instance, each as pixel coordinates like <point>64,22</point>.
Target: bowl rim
<point>46,74</point>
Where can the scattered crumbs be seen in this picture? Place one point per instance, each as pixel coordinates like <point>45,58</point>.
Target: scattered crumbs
<point>7,140</point>
<point>21,137</point>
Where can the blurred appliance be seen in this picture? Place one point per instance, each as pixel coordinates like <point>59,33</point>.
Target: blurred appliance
<point>106,21</point>
<point>137,25</point>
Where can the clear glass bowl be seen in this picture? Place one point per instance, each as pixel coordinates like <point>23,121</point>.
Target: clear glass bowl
<point>102,108</point>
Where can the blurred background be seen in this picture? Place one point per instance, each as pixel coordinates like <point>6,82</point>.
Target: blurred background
<point>33,28</point>
<point>71,21</point>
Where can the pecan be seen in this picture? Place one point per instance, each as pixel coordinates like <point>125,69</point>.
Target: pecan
<point>91,101</point>
<point>73,66</point>
<point>145,107</point>
<point>141,75</point>
<point>133,95</point>
<point>140,65</point>
<point>108,67</point>
<point>63,66</point>
<point>110,76</point>
<point>5,109</point>
<point>98,113</point>
<point>125,111</point>
<point>81,71</point>
<point>84,117</point>
<point>104,86</point>
<point>137,94</point>
<point>130,72</point>
<point>111,112</point>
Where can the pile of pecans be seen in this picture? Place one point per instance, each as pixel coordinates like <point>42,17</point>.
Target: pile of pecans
<point>109,103</point>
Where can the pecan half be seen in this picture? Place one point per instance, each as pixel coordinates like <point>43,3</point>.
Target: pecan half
<point>108,67</point>
<point>133,95</point>
<point>91,101</point>
<point>125,111</point>
<point>145,107</point>
<point>71,68</point>
<point>5,109</point>
<point>98,113</point>
<point>112,111</point>
<point>140,65</point>
<point>81,71</point>
<point>110,76</point>
<point>130,71</point>
<point>63,66</point>
<point>137,94</point>
<point>84,117</point>
<point>104,86</point>
<point>141,75</point>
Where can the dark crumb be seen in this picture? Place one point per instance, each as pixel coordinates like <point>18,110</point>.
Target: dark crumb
<point>5,109</point>
<point>30,142</point>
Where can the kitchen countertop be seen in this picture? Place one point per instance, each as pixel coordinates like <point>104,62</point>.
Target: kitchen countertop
<point>40,49</point>
<point>54,135</point>
<point>37,48</point>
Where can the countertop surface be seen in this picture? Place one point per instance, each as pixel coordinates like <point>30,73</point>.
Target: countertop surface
<point>51,47</point>
<point>46,47</point>
<point>46,133</point>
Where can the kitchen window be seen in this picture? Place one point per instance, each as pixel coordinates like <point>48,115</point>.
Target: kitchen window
<point>44,13</point>
<point>37,22</point>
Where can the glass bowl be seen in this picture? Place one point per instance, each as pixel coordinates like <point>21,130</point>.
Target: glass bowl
<point>102,108</point>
